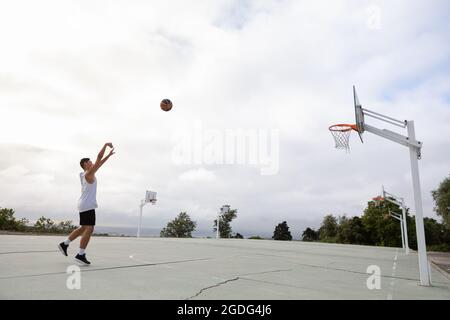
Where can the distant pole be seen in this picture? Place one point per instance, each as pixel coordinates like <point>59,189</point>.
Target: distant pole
<point>400,219</point>
<point>150,197</point>
<point>405,228</point>
<point>218,223</point>
<point>403,233</point>
<point>401,203</point>
<point>420,230</point>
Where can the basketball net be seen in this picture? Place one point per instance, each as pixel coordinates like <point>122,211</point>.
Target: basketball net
<point>341,134</point>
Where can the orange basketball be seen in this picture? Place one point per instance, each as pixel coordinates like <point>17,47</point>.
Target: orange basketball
<point>166,104</point>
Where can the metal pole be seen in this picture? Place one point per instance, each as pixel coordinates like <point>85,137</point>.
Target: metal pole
<point>218,223</point>
<point>401,203</point>
<point>402,232</point>
<point>405,229</point>
<point>420,230</point>
<point>140,219</point>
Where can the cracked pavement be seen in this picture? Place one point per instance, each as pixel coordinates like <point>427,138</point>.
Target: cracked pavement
<point>31,267</point>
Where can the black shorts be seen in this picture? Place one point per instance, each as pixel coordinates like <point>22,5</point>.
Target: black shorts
<point>87,218</point>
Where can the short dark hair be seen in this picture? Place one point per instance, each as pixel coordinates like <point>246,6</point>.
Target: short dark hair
<point>83,161</point>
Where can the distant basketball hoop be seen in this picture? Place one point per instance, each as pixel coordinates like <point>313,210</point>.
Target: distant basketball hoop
<point>150,197</point>
<point>378,200</point>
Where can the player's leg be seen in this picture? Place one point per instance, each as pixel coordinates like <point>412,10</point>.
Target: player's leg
<point>76,233</point>
<point>87,220</point>
<point>72,236</point>
<point>86,237</point>
<point>81,256</point>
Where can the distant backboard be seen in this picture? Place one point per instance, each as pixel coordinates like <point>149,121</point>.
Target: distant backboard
<point>150,196</point>
<point>359,114</point>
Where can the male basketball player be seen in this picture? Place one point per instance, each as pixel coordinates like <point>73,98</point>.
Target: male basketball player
<point>87,204</point>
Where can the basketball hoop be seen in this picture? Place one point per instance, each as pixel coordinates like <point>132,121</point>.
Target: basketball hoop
<point>341,134</point>
<point>378,200</point>
<point>150,197</point>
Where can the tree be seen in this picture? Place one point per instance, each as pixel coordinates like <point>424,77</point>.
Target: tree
<point>380,228</point>
<point>21,225</point>
<point>441,197</point>
<point>344,231</point>
<point>328,229</point>
<point>351,231</point>
<point>181,227</point>
<point>310,235</point>
<point>65,227</point>
<point>435,232</point>
<point>437,235</point>
<point>238,236</point>
<point>412,235</point>
<point>282,232</point>
<point>358,234</point>
<point>44,224</point>
<point>7,220</point>
<point>224,225</point>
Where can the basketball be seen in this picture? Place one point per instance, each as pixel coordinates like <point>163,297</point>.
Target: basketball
<point>166,104</point>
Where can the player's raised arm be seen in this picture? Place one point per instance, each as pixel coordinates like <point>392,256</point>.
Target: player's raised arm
<point>100,160</point>
<point>111,152</point>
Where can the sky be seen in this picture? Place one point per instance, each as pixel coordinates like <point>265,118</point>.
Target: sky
<point>254,85</point>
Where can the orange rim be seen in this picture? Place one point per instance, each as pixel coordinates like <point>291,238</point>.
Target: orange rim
<point>343,127</point>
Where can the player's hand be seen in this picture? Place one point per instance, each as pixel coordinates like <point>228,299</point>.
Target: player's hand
<point>111,152</point>
<point>109,144</point>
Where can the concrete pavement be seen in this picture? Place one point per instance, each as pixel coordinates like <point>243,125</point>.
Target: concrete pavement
<point>31,267</point>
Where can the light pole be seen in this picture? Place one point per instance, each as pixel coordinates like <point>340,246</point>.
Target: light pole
<point>218,223</point>
<point>224,209</point>
<point>401,203</point>
<point>150,197</point>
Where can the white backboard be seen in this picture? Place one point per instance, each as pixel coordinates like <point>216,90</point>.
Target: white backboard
<point>359,115</point>
<point>150,196</point>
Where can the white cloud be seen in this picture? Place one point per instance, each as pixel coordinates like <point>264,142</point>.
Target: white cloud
<point>198,175</point>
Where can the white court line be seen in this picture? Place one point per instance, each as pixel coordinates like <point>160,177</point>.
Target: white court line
<point>394,267</point>
<point>133,258</point>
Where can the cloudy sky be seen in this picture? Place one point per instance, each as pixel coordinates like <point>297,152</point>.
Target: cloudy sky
<point>77,74</point>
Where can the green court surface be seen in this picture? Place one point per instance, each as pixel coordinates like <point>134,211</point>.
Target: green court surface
<point>31,267</point>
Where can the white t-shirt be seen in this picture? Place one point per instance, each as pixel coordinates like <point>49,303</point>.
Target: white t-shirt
<point>88,199</point>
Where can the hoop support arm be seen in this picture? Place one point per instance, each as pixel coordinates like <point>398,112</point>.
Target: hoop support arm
<point>395,217</point>
<point>398,201</point>
<point>393,136</point>
<point>382,117</point>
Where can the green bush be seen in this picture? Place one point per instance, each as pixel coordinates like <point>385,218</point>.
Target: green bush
<point>443,247</point>
<point>44,225</point>
<point>9,222</point>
